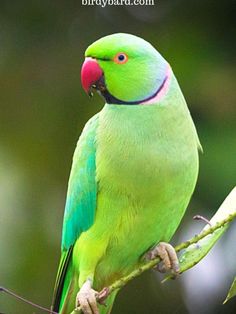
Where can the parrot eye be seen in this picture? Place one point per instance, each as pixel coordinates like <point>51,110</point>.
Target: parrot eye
<point>121,58</point>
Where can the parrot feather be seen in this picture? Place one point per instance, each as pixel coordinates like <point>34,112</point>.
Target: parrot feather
<point>82,190</point>
<point>80,204</point>
<point>133,173</point>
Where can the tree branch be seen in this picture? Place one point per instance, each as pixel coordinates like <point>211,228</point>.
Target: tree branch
<point>209,230</point>
<point>191,256</point>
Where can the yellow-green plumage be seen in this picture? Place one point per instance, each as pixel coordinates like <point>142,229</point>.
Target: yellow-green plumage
<point>146,166</point>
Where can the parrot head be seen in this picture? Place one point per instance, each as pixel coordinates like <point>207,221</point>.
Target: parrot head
<point>124,69</point>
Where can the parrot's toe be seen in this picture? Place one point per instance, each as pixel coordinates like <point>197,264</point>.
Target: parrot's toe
<point>102,295</point>
<point>167,254</point>
<point>86,299</point>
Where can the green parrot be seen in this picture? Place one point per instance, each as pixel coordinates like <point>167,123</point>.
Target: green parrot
<point>134,170</point>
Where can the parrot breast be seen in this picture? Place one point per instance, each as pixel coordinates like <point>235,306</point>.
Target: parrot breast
<point>147,166</point>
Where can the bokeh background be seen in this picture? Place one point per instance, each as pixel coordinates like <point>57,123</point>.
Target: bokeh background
<point>43,110</point>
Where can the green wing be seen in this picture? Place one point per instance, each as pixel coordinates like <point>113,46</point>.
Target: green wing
<point>80,202</point>
<point>82,190</point>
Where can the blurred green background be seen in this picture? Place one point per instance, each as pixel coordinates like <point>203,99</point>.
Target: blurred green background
<point>43,110</point>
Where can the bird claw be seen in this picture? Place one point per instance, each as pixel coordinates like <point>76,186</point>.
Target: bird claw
<point>102,295</point>
<point>86,299</point>
<point>167,254</point>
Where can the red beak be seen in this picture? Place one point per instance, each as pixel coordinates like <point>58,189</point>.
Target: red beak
<point>90,74</point>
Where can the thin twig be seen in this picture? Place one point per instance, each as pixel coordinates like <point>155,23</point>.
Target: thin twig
<point>7,291</point>
<point>199,217</point>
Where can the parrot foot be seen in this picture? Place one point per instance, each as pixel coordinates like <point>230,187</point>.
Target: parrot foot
<point>167,254</point>
<point>102,295</point>
<point>86,299</point>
